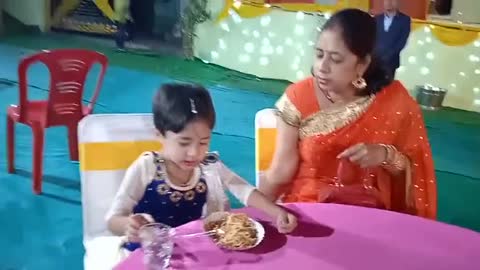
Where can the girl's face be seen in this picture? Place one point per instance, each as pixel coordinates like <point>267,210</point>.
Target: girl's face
<point>188,148</point>
<point>335,67</point>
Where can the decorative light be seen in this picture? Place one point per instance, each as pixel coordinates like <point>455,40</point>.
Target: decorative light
<point>300,16</point>
<point>294,66</point>
<point>225,26</point>
<point>430,56</point>
<point>265,41</point>
<point>265,21</point>
<point>476,43</point>
<point>462,74</point>
<point>267,5</point>
<point>246,32</point>
<point>428,39</point>
<point>256,34</point>
<point>299,30</point>
<point>301,52</point>
<point>271,34</point>
<point>473,58</point>
<point>237,4</point>
<point>300,74</point>
<point>244,58</point>
<point>477,71</point>
<point>279,50</point>
<point>214,54</point>
<point>426,29</point>
<point>412,59</point>
<point>263,61</point>
<point>236,19</point>
<point>401,69</point>
<point>327,15</point>
<point>424,71</point>
<point>420,42</point>
<point>453,85</point>
<point>311,43</point>
<point>222,44</point>
<point>288,41</point>
<point>476,102</point>
<point>432,26</point>
<point>476,90</point>
<point>249,47</point>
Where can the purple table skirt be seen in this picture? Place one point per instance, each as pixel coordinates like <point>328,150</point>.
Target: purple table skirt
<point>335,237</point>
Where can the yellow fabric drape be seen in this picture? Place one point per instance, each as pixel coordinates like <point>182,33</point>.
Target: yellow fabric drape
<point>255,8</point>
<point>450,34</point>
<point>454,37</point>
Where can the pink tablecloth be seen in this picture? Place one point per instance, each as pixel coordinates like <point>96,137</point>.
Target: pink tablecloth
<point>336,237</point>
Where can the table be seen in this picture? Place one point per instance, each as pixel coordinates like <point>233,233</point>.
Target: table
<point>336,237</point>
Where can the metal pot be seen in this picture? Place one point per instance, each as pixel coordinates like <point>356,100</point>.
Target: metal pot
<point>430,97</point>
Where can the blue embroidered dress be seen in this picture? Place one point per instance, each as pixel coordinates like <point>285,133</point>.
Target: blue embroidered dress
<point>146,189</point>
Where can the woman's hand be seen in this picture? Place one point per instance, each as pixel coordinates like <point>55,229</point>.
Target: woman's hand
<point>135,222</point>
<point>286,222</point>
<point>365,155</point>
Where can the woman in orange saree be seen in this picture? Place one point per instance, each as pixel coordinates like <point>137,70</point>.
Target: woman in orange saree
<point>350,135</point>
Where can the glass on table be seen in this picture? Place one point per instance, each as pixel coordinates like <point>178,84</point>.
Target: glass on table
<point>157,244</point>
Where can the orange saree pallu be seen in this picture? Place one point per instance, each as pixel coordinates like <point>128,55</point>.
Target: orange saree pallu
<point>390,117</point>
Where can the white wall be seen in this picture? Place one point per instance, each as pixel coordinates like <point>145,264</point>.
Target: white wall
<point>29,12</point>
<point>467,11</point>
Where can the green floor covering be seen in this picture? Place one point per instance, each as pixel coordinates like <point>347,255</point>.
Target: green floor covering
<point>44,232</point>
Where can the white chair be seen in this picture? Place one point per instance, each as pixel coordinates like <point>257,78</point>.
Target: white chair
<point>265,137</point>
<point>108,144</point>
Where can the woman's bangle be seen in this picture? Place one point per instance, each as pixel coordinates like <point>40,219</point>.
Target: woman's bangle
<point>394,160</point>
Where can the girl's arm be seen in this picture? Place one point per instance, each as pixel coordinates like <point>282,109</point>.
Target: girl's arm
<point>130,192</point>
<point>284,163</point>
<point>247,194</point>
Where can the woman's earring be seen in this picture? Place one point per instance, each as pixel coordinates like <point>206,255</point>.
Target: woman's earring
<point>359,83</point>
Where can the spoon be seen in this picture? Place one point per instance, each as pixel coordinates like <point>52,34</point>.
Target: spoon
<point>206,233</point>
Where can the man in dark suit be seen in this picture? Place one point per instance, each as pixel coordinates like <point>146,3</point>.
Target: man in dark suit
<point>393,29</point>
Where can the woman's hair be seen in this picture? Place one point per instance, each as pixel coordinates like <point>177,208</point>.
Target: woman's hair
<point>175,105</point>
<point>358,30</point>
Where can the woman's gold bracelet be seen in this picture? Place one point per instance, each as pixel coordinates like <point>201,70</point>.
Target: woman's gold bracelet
<point>394,160</point>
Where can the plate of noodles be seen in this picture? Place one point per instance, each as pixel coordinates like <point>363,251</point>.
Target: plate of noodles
<point>234,231</point>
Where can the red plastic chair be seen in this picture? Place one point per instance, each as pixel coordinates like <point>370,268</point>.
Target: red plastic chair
<point>68,71</point>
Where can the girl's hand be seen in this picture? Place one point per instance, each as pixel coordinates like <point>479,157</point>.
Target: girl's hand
<point>365,155</point>
<point>286,222</point>
<point>135,222</point>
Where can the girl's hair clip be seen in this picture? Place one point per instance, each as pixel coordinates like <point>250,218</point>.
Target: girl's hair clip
<point>192,106</point>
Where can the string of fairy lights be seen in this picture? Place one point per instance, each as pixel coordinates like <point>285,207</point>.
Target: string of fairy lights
<point>266,43</point>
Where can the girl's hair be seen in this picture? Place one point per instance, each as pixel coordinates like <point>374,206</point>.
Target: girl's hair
<point>175,105</point>
<point>359,32</point>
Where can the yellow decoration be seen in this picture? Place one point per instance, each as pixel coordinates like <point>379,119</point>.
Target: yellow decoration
<point>105,7</point>
<point>257,8</point>
<point>454,37</point>
<point>450,34</point>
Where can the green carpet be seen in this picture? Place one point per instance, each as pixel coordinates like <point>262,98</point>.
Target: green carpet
<point>44,232</point>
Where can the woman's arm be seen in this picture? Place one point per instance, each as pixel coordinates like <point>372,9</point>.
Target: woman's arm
<point>284,163</point>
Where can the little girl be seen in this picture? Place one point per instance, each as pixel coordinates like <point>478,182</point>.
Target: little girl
<point>183,182</point>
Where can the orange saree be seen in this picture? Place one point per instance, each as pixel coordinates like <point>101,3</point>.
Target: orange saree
<point>390,117</point>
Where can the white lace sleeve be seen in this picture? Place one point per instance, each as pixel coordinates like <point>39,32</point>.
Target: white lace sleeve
<point>136,179</point>
<point>238,186</point>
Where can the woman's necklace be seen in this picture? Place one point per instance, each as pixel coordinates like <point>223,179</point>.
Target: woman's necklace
<point>327,95</point>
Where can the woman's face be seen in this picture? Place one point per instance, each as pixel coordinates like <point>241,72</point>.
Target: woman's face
<point>335,67</point>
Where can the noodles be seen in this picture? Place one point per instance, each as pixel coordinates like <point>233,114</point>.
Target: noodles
<point>234,231</point>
